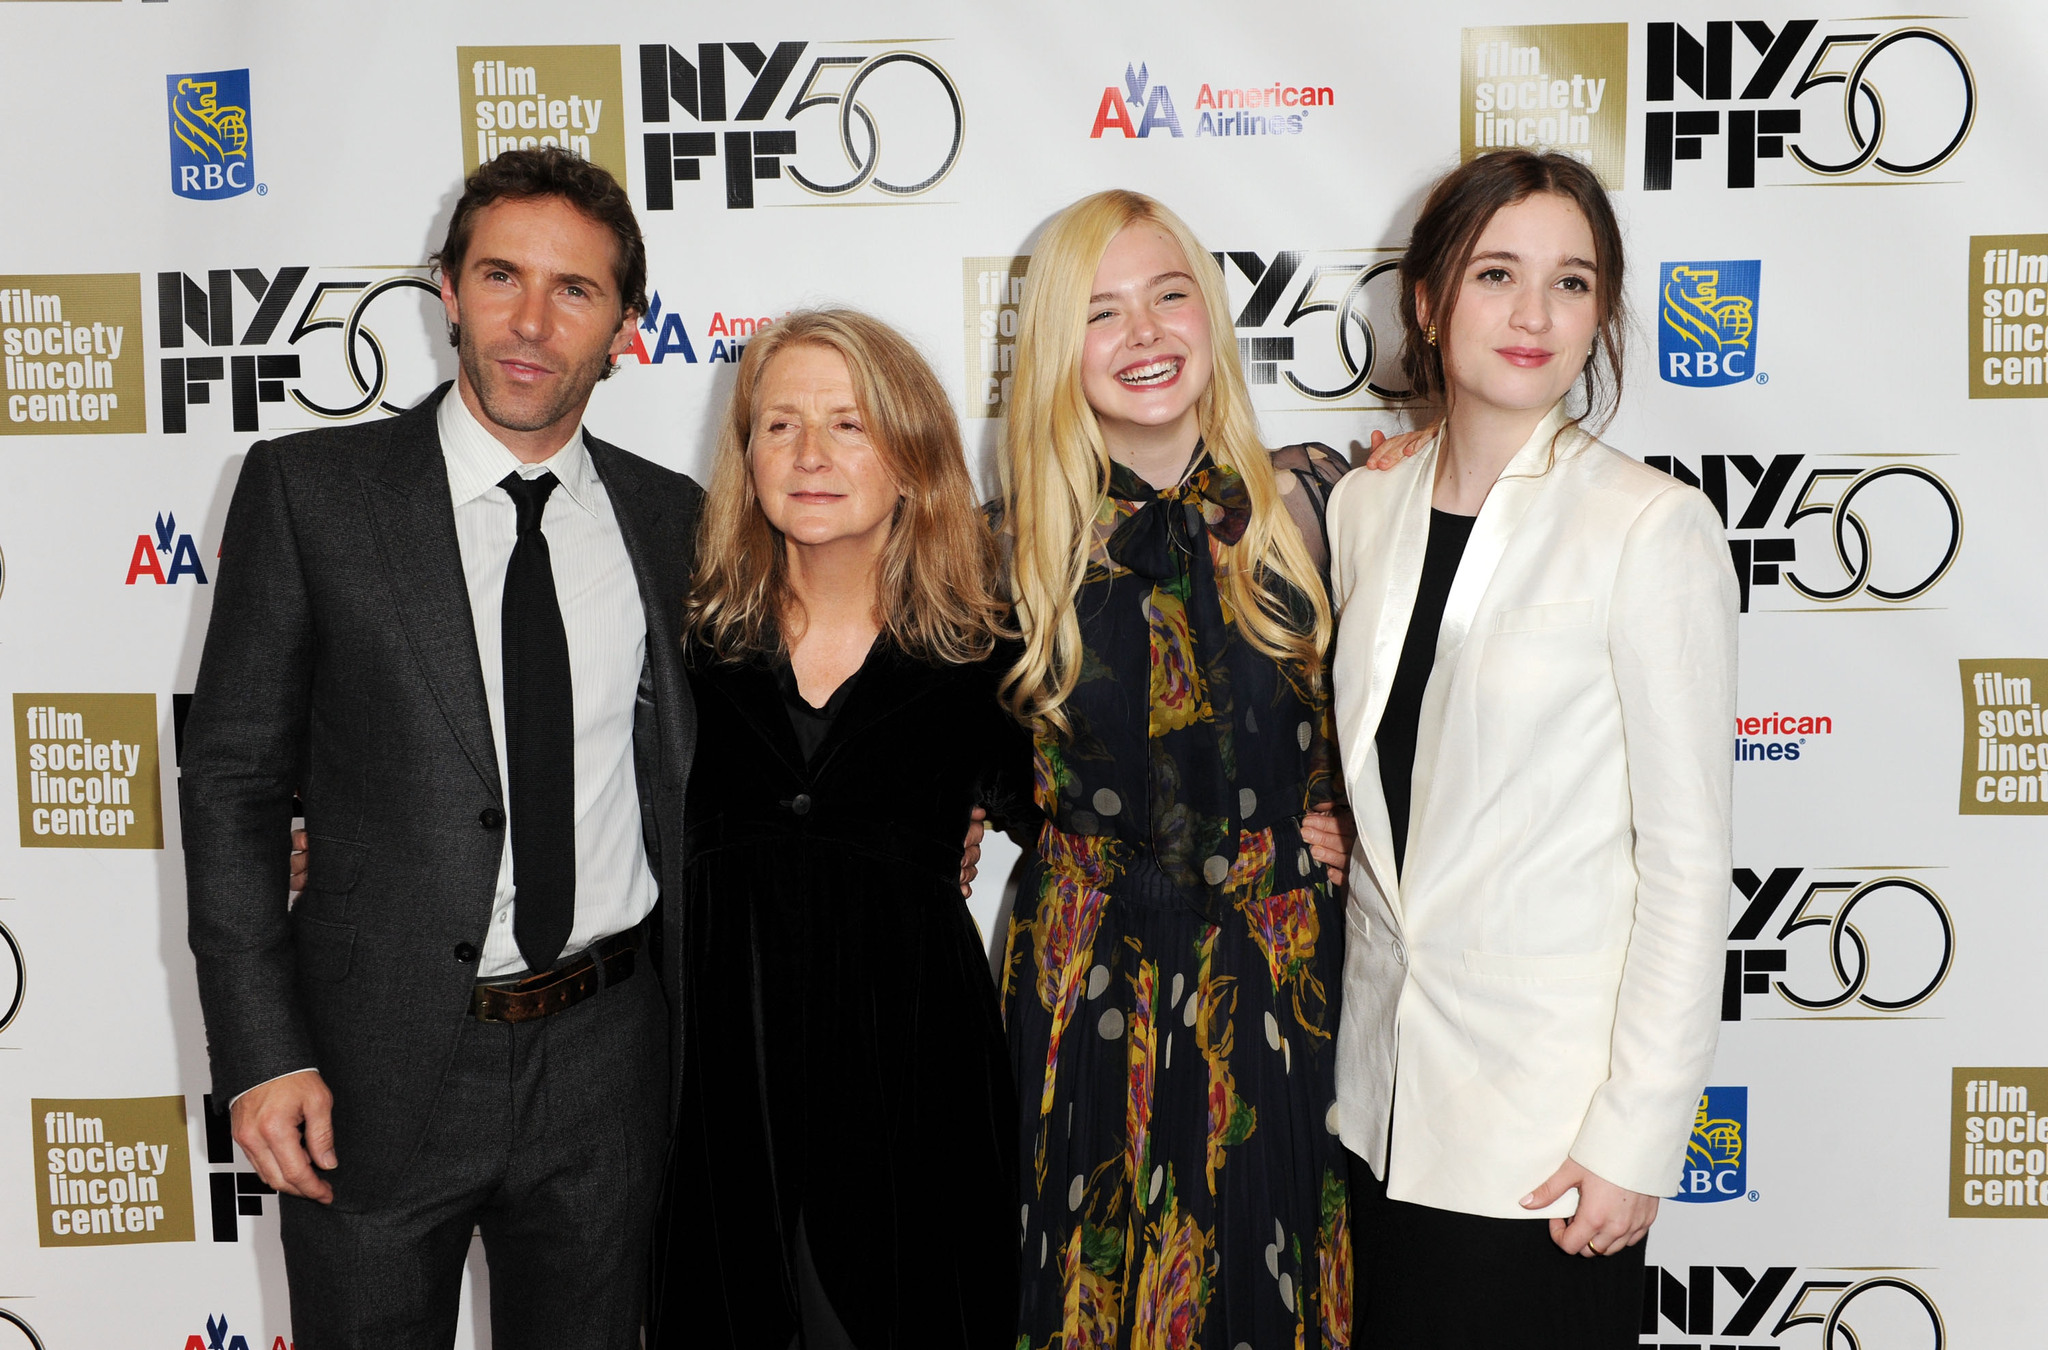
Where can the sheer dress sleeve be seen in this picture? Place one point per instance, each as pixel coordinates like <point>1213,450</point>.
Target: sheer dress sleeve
<point>1306,472</point>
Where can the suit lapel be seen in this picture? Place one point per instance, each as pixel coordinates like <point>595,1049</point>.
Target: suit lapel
<point>1518,487</point>
<point>749,689</point>
<point>645,528</point>
<point>1397,606</point>
<point>414,522</point>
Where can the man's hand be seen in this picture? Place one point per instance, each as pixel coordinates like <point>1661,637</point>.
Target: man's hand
<point>1329,832</point>
<point>970,850</point>
<point>267,1120</point>
<point>299,861</point>
<point>1386,453</point>
<point>1609,1220</point>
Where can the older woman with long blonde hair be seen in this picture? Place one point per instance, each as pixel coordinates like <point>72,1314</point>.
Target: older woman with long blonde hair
<point>1171,972</point>
<point>843,1171</point>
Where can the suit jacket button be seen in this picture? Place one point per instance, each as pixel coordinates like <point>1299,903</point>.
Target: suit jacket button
<point>491,818</point>
<point>801,804</point>
<point>465,953</point>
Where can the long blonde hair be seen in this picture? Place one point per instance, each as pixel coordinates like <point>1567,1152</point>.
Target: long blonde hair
<point>935,596</point>
<point>1055,467</point>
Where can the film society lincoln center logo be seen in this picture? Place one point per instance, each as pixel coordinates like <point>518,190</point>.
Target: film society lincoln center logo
<point>111,1171</point>
<point>86,771</point>
<point>520,98</point>
<point>1553,87</point>
<point>2005,739</point>
<point>73,353</point>
<point>211,155</point>
<point>1998,1144</point>
<point>2008,290</point>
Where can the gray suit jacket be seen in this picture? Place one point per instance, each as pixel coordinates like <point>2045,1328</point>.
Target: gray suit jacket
<point>341,665</point>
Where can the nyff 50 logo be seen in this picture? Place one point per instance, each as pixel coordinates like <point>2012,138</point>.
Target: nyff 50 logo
<point>1850,945</point>
<point>902,100</point>
<point>328,361</point>
<point>1867,104</point>
<point>1887,531</point>
<point>1857,1306</point>
<point>13,978</point>
<point>211,156</point>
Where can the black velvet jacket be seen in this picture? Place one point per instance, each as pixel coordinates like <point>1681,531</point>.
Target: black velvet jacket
<point>844,1061</point>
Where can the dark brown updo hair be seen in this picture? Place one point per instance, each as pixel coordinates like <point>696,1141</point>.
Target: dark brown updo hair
<point>1460,206</point>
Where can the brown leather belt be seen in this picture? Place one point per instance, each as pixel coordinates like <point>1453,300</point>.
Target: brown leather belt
<point>550,991</point>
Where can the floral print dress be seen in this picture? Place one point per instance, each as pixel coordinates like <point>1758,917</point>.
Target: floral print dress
<point>1171,971</point>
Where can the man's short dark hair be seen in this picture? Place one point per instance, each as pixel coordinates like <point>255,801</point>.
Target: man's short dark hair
<point>550,171</point>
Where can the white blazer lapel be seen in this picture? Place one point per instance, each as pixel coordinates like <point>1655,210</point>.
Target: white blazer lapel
<point>1403,578</point>
<point>1506,504</point>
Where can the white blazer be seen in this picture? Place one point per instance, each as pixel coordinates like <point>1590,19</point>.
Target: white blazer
<point>1544,980</point>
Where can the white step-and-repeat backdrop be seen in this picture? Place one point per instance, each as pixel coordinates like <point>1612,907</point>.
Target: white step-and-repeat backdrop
<point>214,226</point>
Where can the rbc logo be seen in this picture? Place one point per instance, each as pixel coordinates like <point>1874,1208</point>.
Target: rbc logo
<point>1716,1162</point>
<point>1707,333</point>
<point>210,153</point>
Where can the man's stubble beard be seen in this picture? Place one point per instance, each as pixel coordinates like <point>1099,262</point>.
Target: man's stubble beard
<point>575,387</point>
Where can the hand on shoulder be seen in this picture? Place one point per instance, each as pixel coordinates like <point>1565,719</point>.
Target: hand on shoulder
<point>1385,451</point>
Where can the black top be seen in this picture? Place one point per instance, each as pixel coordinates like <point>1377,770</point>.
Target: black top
<point>810,724</point>
<point>1396,737</point>
<point>843,1043</point>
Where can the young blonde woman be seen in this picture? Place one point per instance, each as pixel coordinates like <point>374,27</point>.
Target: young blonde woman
<point>845,1152</point>
<point>1542,779</point>
<point>1171,970</point>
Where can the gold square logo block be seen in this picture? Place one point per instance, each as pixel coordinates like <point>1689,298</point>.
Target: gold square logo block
<point>1560,86</point>
<point>85,770</point>
<point>73,355</point>
<point>1998,1144</point>
<point>2008,324</point>
<point>518,98</point>
<point>111,1171</point>
<point>2005,740</point>
<point>992,298</point>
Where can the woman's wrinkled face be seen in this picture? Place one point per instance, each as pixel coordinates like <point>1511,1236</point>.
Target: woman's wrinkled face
<point>818,472</point>
<point>1528,307</point>
<point>1145,360</point>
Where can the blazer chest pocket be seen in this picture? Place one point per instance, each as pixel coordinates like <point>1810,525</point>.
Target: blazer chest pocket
<point>1566,966</point>
<point>324,949</point>
<point>1543,618</point>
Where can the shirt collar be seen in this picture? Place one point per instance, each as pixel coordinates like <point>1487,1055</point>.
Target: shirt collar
<point>477,460</point>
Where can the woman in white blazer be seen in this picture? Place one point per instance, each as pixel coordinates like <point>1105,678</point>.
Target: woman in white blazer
<point>1534,678</point>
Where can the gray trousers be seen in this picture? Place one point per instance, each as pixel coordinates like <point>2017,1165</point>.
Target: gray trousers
<point>548,1136</point>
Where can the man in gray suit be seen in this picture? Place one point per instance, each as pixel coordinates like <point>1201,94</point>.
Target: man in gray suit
<point>454,636</point>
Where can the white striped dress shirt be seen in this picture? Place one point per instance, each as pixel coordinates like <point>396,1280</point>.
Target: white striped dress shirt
<point>607,629</point>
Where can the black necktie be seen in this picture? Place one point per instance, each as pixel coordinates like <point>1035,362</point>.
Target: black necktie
<point>540,736</point>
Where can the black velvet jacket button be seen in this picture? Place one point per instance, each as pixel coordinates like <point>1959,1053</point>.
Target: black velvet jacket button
<point>491,818</point>
<point>465,953</point>
<point>801,804</point>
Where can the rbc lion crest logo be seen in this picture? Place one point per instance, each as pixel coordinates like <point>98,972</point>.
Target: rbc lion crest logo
<point>1717,1157</point>
<point>211,157</point>
<point>1706,330</point>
